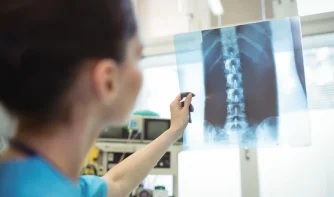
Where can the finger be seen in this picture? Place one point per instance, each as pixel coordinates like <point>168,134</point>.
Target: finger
<point>178,98</point>
<point>185,94</point>
<point>187,102</point>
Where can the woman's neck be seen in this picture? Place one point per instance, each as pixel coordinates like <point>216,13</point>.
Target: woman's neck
<point>64,147</point>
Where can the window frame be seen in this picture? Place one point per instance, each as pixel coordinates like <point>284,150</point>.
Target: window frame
<point>317,24</point>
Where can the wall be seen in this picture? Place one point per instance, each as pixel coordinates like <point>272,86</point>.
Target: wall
<point>159,18</point>
<point>243,11</point>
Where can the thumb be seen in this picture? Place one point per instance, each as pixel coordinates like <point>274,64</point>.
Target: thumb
<point>187,102</point>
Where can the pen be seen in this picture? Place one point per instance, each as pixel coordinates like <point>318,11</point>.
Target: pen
<point>191,107</point>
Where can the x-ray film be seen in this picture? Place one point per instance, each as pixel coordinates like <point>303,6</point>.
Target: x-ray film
<point>249,84</point>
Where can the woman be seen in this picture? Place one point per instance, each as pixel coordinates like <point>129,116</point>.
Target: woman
<point>68,70</point>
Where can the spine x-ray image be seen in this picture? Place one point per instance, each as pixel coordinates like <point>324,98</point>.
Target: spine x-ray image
<point>251,81</point>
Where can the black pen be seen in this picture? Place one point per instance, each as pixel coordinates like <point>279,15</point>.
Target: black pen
<point>191,107</point>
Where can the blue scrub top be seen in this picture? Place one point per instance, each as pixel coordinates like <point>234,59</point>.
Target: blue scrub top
<point>34,177</point>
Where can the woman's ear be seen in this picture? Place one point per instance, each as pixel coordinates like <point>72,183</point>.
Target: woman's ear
<point>106,80</point>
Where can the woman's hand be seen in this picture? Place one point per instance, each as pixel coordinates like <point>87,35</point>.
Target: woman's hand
<point>180,113</point>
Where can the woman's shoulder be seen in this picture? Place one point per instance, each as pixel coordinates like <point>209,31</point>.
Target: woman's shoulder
<point>32,177</point>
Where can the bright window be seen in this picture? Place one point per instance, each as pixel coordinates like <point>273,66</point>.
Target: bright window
<point>310,7</point>
<point>319,71</point>
<point>160,87</point>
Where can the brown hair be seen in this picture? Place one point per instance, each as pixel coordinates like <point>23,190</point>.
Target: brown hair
<point>43,42</point>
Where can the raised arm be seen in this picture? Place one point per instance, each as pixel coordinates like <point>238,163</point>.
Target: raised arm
<point>127,175</point>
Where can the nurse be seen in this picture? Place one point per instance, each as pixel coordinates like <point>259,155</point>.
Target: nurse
<point>68,70</point>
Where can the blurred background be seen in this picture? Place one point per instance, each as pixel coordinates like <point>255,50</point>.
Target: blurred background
<point>275,172</point>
